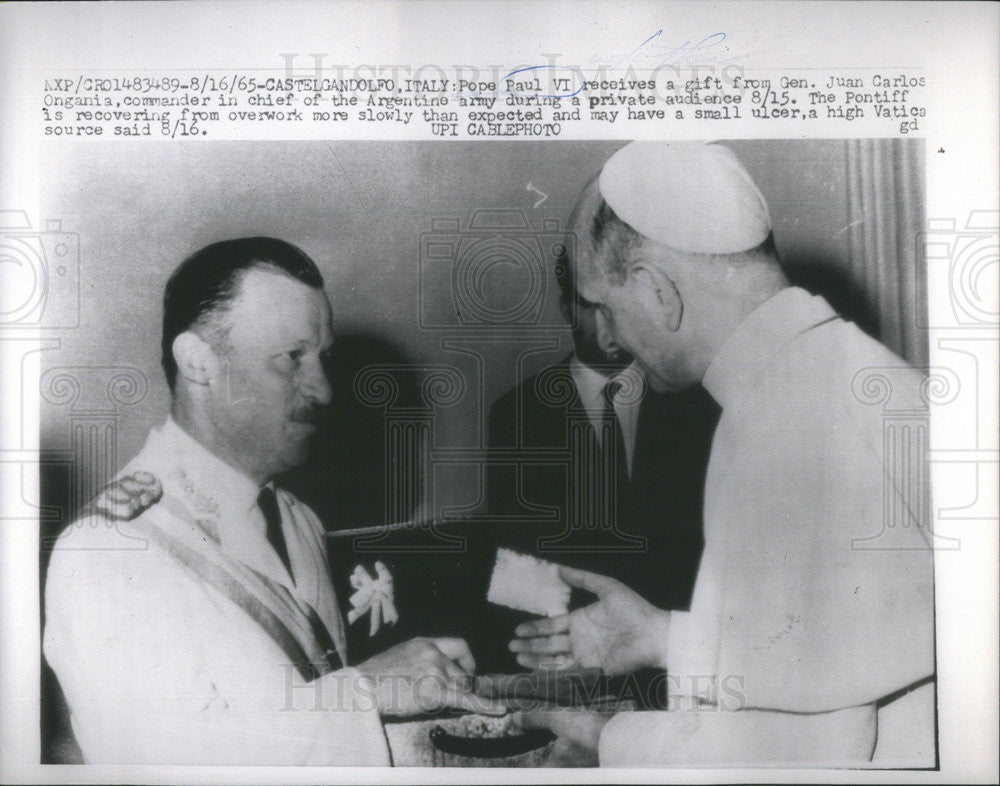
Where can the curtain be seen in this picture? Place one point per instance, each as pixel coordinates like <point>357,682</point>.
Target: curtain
<point>885,193</point>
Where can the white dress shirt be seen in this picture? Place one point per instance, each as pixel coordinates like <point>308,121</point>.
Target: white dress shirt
<point>160,667</point>
<point>590,385</point>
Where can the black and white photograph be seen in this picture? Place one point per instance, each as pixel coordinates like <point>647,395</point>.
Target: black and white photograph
<point>539,394</point>
<point>390,459</point>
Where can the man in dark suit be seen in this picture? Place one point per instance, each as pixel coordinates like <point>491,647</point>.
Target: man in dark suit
<point>625,499</point>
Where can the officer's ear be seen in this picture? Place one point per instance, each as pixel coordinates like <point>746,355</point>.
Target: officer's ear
<point>196,360</point>
<point>655,291</point>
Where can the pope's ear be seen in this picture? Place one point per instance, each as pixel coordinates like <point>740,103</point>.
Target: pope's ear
<point>657,290</point>
<point>196,361</point>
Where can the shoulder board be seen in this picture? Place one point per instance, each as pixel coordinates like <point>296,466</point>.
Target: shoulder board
<point>128,497</point>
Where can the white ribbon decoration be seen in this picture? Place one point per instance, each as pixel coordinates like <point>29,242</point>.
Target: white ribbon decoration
<point>373,595</point>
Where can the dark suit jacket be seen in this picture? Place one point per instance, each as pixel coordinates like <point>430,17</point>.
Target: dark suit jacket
<point>653,543</point>
<point>441,587</point>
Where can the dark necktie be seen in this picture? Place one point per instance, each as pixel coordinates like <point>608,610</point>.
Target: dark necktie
<point>612,434</point>
<point>268,504</point>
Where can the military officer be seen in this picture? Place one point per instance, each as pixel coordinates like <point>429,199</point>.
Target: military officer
<point>190,616</point>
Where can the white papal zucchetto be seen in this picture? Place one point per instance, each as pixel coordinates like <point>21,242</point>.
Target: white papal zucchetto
<point>691,196</point>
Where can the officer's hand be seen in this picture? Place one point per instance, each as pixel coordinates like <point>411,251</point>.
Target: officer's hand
<point>425,675</point>
<point>619,633</point>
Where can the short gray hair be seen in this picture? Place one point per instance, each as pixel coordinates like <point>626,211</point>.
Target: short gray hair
<point>612,242</point>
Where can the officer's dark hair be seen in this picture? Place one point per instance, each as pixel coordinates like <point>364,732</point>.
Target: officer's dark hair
<point>204,286</point>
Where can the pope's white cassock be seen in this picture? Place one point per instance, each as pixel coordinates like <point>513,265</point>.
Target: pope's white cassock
<point>810,636</point>
<point>180,638</point>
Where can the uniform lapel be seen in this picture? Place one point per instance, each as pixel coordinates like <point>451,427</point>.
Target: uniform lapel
<point>217,529</point>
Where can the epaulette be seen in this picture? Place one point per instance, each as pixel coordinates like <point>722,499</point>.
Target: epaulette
<point>128,497</point>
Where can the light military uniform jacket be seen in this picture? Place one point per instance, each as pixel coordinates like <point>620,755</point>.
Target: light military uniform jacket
<point>810,637</point>
<point>180,638</point>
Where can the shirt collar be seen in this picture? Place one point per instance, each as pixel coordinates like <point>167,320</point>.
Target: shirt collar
<point>759,339</point>
<point>222,483</point>
<point>590,384</point>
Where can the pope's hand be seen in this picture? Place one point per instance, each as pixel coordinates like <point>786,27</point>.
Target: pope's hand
<point>424,675</point>
<point>577,731</point>
<point>619,633</point>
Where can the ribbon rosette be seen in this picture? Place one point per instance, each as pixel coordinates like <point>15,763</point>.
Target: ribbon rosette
<point>374,596</point>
